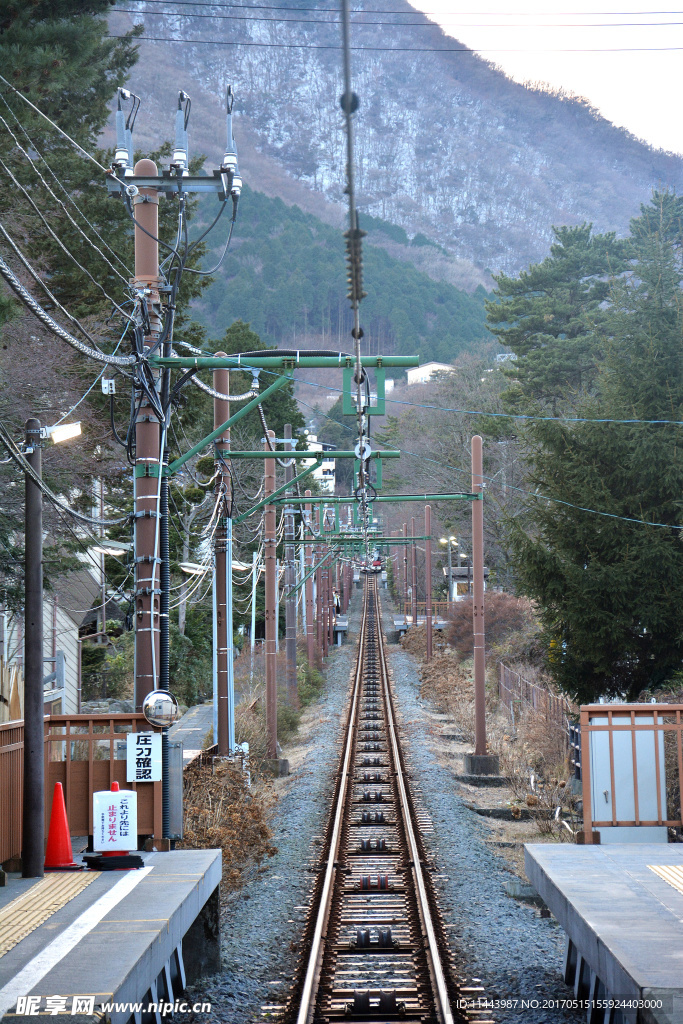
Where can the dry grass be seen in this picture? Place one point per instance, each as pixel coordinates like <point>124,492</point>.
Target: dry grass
<point>532,753</point>
<point>222,811</point>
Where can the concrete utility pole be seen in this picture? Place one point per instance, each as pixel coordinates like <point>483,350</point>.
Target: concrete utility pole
<point>270,544</point>
<point>33,821</point>
<point>290,583</point>
<point>428,578</point>
<point>413,571</point>
<point>310,611</point>
<point>222,580</point>
<point>147,451</point>
<point>478,598</point>
<point>405,569</point>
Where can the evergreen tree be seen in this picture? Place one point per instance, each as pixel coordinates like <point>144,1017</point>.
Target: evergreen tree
<point>609,589</point>
<point>548,317</point>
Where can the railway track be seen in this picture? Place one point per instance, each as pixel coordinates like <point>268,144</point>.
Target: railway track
<point>374,948</point>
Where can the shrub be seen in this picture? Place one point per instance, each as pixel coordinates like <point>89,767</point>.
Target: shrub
<point>505,617</point>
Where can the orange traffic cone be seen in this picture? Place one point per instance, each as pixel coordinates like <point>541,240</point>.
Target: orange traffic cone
<point>59,855</point>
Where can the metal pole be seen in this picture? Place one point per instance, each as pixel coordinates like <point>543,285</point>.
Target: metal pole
<point>450,575</point>
<point>428,578</point>
<point>290,583</point>
<point>319,608</point>
<point>270,542</point>
<point>413,572</point>
<point>331,578</point>
<point>147,452</point>
<point>33,820</point>
<point>310,611</point>
<point>405,569</point>
<point>223,566</point>
<point>252,635</point>
<point>478,599</point>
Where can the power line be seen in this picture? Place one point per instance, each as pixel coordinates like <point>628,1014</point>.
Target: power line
<point>49,120</point>
<point>66,193</point>
<point>428,14</point>
<point>17,287</point>
<point>395,24</point>
<point>521,490</point>
<point>185,41</point>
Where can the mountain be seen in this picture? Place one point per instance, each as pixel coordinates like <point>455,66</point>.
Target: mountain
<point>447,146</point>
<point>285,275</point>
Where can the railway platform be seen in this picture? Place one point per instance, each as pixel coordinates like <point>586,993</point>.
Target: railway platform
<point>621,908</point>
<point>72,942</point>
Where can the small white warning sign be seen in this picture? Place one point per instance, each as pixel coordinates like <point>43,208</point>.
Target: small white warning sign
<point>115,821</point>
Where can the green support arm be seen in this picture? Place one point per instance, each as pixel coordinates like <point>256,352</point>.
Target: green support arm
<point>314,569</point>
<point>275,386</point>
<point>350,499</point>
<point>281,362</point>
<point>269,500</point>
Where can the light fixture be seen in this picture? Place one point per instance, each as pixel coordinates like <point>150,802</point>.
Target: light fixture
<point>112,548</point>
<point>61,432</point>
<point>194,569</point>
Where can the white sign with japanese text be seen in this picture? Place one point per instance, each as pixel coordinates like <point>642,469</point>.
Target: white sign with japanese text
<point>115,821</point>
<point>143,757</point>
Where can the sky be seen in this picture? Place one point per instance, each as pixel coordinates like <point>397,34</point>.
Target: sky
<point>638,86</point>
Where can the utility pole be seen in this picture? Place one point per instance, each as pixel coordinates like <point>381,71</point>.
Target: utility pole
<point>478,598</point>
<point>310,611</point>
<point>413,571</point>
<point>222,580</point>
<point>290,583</point>
<point>270,543</point>
<point>33,821</point>
<point>405,568</point>
<point>428,578</point>
<point>147,449</point>
<point>319,605</point>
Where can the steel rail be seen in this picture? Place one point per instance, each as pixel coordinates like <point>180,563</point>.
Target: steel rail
<point>438,976</point>
<point>310,986</point>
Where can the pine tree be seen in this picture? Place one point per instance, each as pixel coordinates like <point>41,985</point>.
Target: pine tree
<point>609,588</point>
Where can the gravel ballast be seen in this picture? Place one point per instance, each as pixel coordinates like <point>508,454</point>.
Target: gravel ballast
<point>516,954</point>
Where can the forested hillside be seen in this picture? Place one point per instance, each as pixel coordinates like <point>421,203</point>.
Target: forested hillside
<point>284,274</point>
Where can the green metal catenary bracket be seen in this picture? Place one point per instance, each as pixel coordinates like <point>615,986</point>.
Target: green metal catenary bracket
<point>275,493</point>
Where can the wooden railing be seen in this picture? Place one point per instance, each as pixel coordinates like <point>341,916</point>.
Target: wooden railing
<point>440,608</point>
<point>83,753</point>
<point>631,765</point>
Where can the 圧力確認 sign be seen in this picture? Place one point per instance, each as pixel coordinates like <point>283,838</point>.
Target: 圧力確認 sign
<point>143,757</point>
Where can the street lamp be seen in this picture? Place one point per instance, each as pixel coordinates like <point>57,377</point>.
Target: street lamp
<point>452,543</point>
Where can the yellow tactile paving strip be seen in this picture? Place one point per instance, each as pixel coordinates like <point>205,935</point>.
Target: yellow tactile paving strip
<point>28,911</point>
<point>671,873</point>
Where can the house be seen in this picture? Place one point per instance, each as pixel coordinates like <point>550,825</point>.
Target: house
<point>325,474</point>
<point>69,610</point>
<point>421,374</point>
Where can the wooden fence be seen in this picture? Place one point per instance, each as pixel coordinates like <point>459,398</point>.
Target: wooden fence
<point>520,694</point>
<point>86,753</point>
